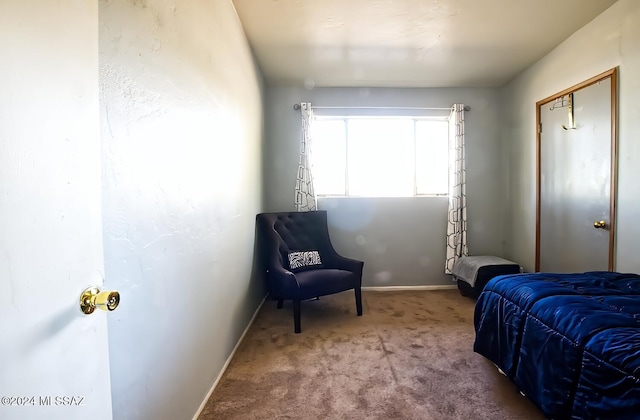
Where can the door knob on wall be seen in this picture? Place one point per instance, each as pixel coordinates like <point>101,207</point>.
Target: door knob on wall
<point>93,298</point>
<point>600,224</point>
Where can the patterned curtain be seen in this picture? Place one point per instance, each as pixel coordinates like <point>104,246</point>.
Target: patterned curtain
<point>305,196</point>
<point>457,216</point>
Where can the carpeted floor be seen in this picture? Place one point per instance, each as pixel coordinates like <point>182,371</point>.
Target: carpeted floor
<point>408,357</point>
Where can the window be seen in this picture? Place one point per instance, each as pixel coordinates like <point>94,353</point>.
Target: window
<point>380,156</point>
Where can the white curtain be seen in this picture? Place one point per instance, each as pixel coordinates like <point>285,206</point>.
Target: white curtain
<point>305,197</point>
<point>457,216</point>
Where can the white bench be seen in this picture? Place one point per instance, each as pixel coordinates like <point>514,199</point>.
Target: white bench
<point>473,272</point>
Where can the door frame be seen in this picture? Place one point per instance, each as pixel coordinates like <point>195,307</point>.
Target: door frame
<point>613,74</point>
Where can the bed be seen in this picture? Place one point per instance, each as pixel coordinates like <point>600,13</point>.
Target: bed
<point>569,342</point>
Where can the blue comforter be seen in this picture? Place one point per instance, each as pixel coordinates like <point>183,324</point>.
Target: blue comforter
<point>569,342</point>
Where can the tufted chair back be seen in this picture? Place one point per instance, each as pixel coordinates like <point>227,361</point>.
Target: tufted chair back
<point>295,231</point>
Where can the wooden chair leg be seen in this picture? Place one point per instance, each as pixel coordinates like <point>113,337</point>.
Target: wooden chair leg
<point>296,316</point>
<point>280,302</point>
<point>358,292</point>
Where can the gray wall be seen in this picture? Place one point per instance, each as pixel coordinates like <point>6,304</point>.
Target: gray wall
<point>401,240</point>
<point>181,122</point>
<point>611,39</point>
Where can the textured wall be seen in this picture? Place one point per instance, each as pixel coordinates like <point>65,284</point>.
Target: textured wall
<point>401,240</point>
<point>608,41</point>
<point>181,121</point>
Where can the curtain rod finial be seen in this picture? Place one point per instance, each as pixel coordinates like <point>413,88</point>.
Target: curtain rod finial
<point>467,108</point>
<point>296,107</point>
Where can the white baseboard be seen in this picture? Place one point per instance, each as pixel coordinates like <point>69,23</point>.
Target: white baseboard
<point>226,364</point>
<point>407,288</point>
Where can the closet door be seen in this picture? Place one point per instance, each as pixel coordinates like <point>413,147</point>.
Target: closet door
<point>576,178</point>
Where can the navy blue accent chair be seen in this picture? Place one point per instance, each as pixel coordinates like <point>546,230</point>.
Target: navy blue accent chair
<point>279,234</point>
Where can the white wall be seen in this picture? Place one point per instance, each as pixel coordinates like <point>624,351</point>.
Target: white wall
<point>611,39</point>
<point>401,240</point>
<point>181,120</point>
<point>50,225</point>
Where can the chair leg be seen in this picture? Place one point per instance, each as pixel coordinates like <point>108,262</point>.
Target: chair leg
<point>358,292</point>
<point>296,316</point>
<point>280,302</point>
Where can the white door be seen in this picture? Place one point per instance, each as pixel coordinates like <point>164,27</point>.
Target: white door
<point>575,180</point>
<point>54,360</point>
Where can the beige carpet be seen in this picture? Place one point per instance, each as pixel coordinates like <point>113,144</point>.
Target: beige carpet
<point>408,357</point>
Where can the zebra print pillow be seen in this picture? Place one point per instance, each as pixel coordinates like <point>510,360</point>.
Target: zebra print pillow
<point>304,260</point>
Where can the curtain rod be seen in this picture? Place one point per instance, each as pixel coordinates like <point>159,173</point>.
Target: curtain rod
<point>297,107</point>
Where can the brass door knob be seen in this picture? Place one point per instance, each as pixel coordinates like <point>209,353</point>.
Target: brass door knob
<point>92,298</point>
<point>600,224</point>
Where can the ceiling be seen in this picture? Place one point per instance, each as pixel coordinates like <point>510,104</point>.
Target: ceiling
<point>406,43</point>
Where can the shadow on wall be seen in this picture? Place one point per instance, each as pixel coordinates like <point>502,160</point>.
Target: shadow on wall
<point>258,281</point>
